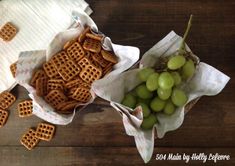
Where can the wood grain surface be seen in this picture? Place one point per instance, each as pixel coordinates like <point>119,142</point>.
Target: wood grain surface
<point>97,137</point>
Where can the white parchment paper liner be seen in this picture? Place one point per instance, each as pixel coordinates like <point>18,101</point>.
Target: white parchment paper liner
<point>29,61</point>
<point>206,81</point>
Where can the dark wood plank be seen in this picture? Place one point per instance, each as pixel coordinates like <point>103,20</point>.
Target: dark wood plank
<point>96,136</point>
<point>67,156</point>
<point>101,122</point>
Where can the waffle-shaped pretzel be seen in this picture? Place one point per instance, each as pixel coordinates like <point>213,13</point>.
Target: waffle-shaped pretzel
<point>75,52</point>
<point>69,43</point>
<point>54,84</point>
<point>38,74</point>
<point>3,117</point>
<point>75,83</point>
<point>69,70</point>
<point>82,95</point>
<point>59,59</point>
<point>108,69</point>
<point>50,69</point>
<point>71,91</point>
<point>82,36</point>
<point>55,97</point>
<point>13,69</point>
<point>108,56</point>
<point>92,45</point>
<point>25,108</point>
<point>90,73</point>
<point>95,36</point>
<point>67,107</point>
<point>100,60</point>
<point>41,86</point>
<point>94,62</point>
<point>6,99</point>
<point>29,139</point>
<point>8,32</point>
<point>87,54</point>
<point>84,62</point>
<point>45,131</point>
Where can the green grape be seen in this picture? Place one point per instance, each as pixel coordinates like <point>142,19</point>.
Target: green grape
<point>178,97</point>
<point>176,62</point>
<point>145,73</point>
<point>133,92</point>
<point>165,80</point>
<point>176,77</point>
<point>143,92</point>
<point>188,69</point>
<point>129,100</point>
<point>145,101</point>
<point>145,108</point>
<point>169,108</point>
<point>149,122</point>
<point>164,93</point>
<point>152,82</point>
<point>157,104</point>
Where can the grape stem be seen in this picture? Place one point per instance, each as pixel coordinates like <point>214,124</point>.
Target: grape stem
<point>182,45</point>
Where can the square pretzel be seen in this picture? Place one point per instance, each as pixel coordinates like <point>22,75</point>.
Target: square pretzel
<point>69,70</point>
<point>6,99</point>
<point>90,74</point>
<point>55,84</point>
<point>29,139</point>
<point>3,117</point>
<point>82,94</point>
<point>100,60</point>
<point>13,68</point>
<point>75,52</point>
<point>8,32</point>
<point>50,69</point>
<point>82,36</point>
<point>45,131</point>
<point>55,97</point>
<point>38,74</point>
<point>92,45</point>
<point>41,86</point>
<point>25,108</point>
<point>67,107</point>
<point>60,59</point>
<point>108,69</point>
<point>85,61</point>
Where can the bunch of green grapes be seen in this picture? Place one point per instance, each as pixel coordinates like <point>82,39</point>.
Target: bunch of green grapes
<point>160,92</point>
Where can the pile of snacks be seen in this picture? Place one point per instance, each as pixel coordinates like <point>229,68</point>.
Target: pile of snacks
<point>65,80</point>
<point>160,90</point>
<point>8,32</point>
<point>6,100</point>
<point>31,138</point>
<point>43,132</point>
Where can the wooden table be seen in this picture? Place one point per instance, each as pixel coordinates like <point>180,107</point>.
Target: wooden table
<point>97,136</point>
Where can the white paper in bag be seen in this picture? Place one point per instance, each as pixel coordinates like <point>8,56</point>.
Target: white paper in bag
<point>31,60</point>
<point>206,81</point>
<point>37,21</point>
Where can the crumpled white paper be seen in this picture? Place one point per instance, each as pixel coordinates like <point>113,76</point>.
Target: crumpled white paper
<point>29,61</point>
<point>206,81</point>
<point>38,22</point>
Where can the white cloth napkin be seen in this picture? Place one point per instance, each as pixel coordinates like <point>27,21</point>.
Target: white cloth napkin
<point>38,22</point>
